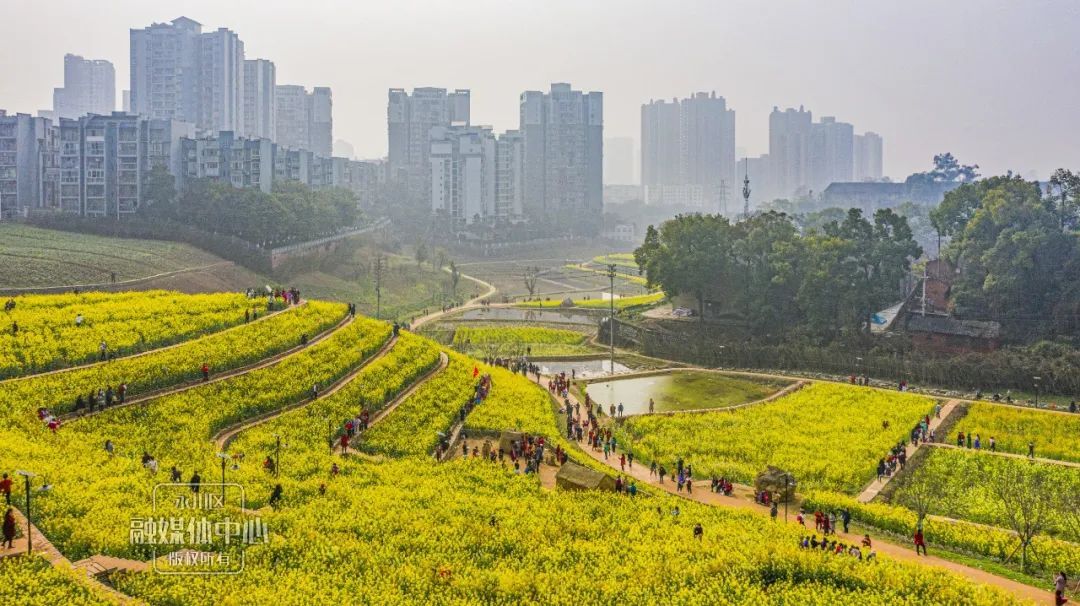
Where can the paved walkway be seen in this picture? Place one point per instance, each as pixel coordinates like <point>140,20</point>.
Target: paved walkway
<point>222,438</point>
<point>876,486</point>
<point>743,499</point>
<point>214,377</point>
<point>42,546</point>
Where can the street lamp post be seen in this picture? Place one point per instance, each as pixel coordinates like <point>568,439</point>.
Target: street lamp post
<point>224,457</point>
<point>611,319</point>
<point>721,360</point>
<point>277,456</point>
<point>858,363</point>
<point>26,476</point>
<point>330,434</point>
<point>1037,379</point>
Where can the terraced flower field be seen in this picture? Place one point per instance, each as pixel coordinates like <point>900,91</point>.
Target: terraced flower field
<point>394,526</point>
<point>972,481</point>
<point>494,341</point>
<point>42,332</point>
<point>1055,435</point>
<point>830,436</point>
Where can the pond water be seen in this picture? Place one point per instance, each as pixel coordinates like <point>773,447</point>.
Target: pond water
<point>531,315</point>
<point>583,369</point>
<point>677,391</point>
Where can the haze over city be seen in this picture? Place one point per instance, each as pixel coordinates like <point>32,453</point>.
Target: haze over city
<point>987,81</point>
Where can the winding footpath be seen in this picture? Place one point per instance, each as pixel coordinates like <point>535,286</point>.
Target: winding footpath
<point>148,352</point>
<point>229,374</point>
<point>743,501</point>
<point>222,438</point>
<point>473,303</point>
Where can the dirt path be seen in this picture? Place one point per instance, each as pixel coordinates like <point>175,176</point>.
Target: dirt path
<point>742,499</point>
<point>111,285</point>
<point>444,361</point>
<point>147,352</point>
<point>214,378</point>
<point>222,438</point>
<point>470,304</point>
<point>877,485</point>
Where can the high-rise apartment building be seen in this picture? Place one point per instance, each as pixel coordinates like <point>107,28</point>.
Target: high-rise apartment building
<point>260,99</point>
<point>29,164</point>
<point>292,123</point>
<point>660,146</point>
<point>463,173</point>
<point>619,161</point>
<point>830,154</point>
<point>221,81</point>
<point>305,120</point>
<point>89,88</point>
<point>789,140</point>
<point>868,157</point>
<point>688,151</point>
<point>510,176</point>
<point>165,70</point>
<point>563,140</point>
<point>321,131</point>
<point>180,73</point>
<point>410,120</point>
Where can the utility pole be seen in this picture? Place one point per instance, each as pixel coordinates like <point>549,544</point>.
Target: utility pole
<point>378,285</point>
<point>224,457</point>
<point>611,319</point>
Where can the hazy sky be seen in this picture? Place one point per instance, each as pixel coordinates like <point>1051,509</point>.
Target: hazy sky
<point>996,82</point>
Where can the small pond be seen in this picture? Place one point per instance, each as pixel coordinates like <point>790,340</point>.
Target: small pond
<point>676,391</point>
<point>583,369</point>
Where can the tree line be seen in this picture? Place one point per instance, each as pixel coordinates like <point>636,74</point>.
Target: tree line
<point>1017,251</point>
<point>765,273</point>
<point>291,212</point>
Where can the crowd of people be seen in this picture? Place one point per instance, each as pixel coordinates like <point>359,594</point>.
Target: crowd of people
<point>839,548</point>
<point>480,393</point>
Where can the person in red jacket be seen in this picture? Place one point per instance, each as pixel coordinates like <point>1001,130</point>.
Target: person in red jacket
<point>205,371</point>
<point>5,488</point>
<point>9,528</point>
<point>344,443</point>
<point>920,543</point>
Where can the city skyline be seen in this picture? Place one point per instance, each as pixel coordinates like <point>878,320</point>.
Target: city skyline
<point>862,65</point>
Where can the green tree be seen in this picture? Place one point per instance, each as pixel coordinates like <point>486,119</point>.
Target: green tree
<point>690,254</point>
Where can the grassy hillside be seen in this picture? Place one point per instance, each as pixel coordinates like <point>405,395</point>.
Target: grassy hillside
<point>31,257</point>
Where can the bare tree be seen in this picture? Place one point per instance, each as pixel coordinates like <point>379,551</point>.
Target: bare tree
<point>921,494</point>
<point>530,276</point>
<point>1027,499</point>
<point>455,277</point>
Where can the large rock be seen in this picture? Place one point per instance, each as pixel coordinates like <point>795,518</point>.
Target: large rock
<point>778,482</point>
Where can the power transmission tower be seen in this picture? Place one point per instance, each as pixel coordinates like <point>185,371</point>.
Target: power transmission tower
<point>378,285</point>
<point>746,191</point>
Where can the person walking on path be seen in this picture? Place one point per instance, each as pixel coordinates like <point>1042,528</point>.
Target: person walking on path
<point>845,517</point>
<point>5,488</point>
<point>920,542</point>
<point>1031,450</point>
<point>275,496</point>
<point>205,372</point>
<point>773,511</point>
<point>1060,581</point>
<point>9,530</point>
